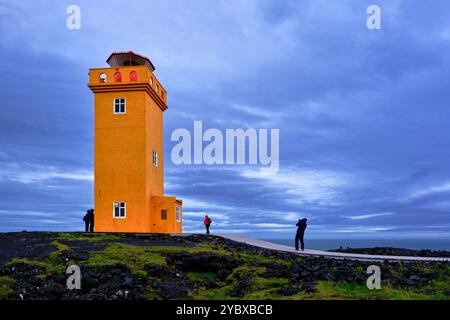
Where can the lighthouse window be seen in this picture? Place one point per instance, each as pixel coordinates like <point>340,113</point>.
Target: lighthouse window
<point>178,214</point>
<point>133,76</point>
<point>119,210</point>
<point>163,214</point>
<point>155,158</point>
<point>119,105</point>
<point>118,77</point>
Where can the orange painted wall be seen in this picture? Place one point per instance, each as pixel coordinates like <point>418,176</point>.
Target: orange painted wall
<point>123,153</point>
<point>169,225</point>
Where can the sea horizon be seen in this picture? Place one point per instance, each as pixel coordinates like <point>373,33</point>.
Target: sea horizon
<point>329,244</point>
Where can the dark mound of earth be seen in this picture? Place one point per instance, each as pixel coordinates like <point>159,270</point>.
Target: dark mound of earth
<point>389,251</point>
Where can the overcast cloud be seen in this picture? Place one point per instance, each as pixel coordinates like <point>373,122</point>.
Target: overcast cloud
<point>363,115</point>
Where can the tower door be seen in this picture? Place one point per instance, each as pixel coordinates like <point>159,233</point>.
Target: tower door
<point>161,220</point>
<point>164,218</point>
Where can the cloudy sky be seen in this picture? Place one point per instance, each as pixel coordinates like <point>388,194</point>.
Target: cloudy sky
<point>363,114</point>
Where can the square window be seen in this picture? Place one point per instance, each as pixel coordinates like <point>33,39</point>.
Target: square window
<point>119,210</point>
<point>119,105</point>
<point>163,214</point>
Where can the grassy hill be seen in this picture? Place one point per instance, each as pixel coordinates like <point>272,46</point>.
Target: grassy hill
<point>126,266</point>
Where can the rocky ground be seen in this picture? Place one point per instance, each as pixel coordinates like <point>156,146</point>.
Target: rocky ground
<point>389,251</point>
<point>33,266</point>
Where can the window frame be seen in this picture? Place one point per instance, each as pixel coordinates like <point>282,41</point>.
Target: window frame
<point>120,105</point>
<point>155,158</point>
<point>124,207</point>
<point>178,213</point>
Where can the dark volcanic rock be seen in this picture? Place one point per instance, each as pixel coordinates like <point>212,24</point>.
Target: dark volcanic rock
<point>28,283</point>
<point>274,270</point>
<point>170,289</point>
<point>201,262</point>
<point>222,274</point>
<point>25,245</point>
<point>171,281</point>
<point>81,250</point>
<point>389,251</point>
<point>241,285</point>
<point>168,282</point>
<point>289,291</point>
<point>308,287</point>
<point>116,282</point>
<point>155,242</point>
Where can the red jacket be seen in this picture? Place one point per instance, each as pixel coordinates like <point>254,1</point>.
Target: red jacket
<point>207,220</point>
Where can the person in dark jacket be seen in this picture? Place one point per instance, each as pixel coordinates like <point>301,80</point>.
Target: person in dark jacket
<point>207,221</point>
<point>301,226</point>
<point>86,220</point>
<point>91,221</point>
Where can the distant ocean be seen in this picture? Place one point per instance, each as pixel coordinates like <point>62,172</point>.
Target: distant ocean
<point>359,243</point>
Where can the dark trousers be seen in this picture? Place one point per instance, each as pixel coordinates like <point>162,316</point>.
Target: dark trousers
<point>207,228</point>
<point>299,237</point>
<point>86,226</point>
<point>91,227</point>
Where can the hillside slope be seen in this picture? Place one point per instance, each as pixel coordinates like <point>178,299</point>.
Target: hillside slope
<point>126,266</point>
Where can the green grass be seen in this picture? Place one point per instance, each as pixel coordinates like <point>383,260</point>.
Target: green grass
<point>259,258</point>
<point>84,237</point>
<point>134,257</point>
<point>221,293</point>
<point>268,283</point>
<point>260,287</point>
<point>354,291</point>
<point>245,271</point>
<point>48,265</point>
<point>5,287</point>
<point>250,267</point>
<point>201,276</point>
<point>51,264</point>
<point>152,294</point>
<point>267,288</point>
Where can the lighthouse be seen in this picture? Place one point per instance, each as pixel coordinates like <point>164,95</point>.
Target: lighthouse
<point>129,105</point>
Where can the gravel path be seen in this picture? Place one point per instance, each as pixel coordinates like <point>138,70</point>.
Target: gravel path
<point>339,255</point>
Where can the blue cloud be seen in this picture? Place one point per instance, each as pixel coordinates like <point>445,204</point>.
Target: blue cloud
<point>362,114</point>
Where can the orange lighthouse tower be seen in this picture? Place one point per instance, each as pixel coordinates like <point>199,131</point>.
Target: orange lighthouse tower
<point>129,102</point>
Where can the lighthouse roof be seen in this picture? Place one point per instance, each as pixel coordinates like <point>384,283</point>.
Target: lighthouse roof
<point>129,58</point>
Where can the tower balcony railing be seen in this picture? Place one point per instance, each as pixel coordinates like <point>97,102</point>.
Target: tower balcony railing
<point>127,74</point>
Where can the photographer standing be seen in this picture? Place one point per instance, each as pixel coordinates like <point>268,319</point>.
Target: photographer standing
<point>301,226</point>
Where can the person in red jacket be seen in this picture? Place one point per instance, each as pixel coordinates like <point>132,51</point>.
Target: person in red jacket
<point>207,221</point>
